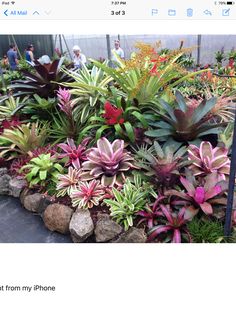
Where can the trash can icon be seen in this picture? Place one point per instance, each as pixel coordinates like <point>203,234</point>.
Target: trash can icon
<point>189,12</point>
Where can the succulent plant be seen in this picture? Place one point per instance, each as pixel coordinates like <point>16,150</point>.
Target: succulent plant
<point>183,122</point>
<point>202,195</point>
<point>162,164</point>
<point>75,154</point>
<point>87,194</point>
<point>207,159</point>
<point>107,161</point>
<point>175,224</point>
<point>68,182</point>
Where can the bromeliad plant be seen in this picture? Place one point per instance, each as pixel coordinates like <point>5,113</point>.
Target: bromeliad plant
<point>206,160</point>
<point>202,195</point>
<point>88,88</point>
<point>108,162</point>
<point>185,123</point>
<point>162,164</point>
<point>68,182</point>
<point>87,194</point>
<point>22,140</point>
<point>147,74</point>
<point>128,202</point>
<point>120,117</point>
<point>43,82</point>
<point>174,226</point>
<point>75,155</point>
<point>42,170</point>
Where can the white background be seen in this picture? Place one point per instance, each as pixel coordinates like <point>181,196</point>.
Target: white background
<point>115,279</point>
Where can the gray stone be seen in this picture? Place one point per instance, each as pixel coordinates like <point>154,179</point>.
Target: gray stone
<point>23,195</point>
<point>16,185</point>
<point>32,202</point>
<point>44,203</point>
<point>133,235</point>
<point>106,229</point>
<point>4,184</point>
<point>57,218</point>
<point>81,225</point>
<point>3,171</point>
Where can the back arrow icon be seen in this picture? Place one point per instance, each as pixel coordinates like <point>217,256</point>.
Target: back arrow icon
<point>5,12</point>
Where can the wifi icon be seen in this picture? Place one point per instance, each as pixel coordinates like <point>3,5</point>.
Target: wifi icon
<point>13,2</point>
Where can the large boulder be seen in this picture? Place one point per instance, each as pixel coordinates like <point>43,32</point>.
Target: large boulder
<point>4,184</point>
<point>16,186</point>
<point>32,202</point>
<point>57,218</point>
<point>133,235</point>
<point>81,225</point>
<point>106,229</point>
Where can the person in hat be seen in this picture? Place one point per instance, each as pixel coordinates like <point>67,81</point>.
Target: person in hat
<point>117,51</point>
<point>79,58</point>
<point>45,61</point>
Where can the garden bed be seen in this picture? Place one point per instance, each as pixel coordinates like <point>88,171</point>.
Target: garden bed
<point>132,154</point>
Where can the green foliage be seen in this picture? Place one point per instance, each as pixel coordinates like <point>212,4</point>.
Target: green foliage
<point>131,117</point>
<point>140,83</point>
<point>130,200</point>
<point>8,105</point>
<point>88,87</point>
<point>42,170</point>
<point>22,140</point>
<point>184,123</point>
<point>206,231</point>
<point>37,108</point>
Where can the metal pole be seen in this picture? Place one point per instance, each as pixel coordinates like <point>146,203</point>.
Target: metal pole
<point>199,41</point>
<point>108,46</point>
<point>230,198</point>
<point>60,43</point>
<point>67,47</point>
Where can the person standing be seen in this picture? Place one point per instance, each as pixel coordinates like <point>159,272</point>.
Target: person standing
<point>29,53</point>
<point>117,51</point>
<point>79,58</point>
<point>12,57</point>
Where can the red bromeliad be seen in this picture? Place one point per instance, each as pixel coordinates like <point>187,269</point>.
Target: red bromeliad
<point>9,124</point>
<point>112,114</point>
<point>175,224</point>
<point>76,154</point>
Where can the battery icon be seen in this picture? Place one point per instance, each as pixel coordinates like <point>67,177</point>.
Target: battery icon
<point>230,3</point>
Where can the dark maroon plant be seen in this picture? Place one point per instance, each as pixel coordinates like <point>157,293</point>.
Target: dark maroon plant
<point>152,213</point>
<point>9,124</point>
<point>175,225</point>
<point>75,154</point>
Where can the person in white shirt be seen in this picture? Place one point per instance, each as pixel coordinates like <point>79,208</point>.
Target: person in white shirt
<point>117,51</point>
<point>79,58</point>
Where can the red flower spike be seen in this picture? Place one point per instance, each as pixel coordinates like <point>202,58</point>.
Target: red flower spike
<point>113,115</point>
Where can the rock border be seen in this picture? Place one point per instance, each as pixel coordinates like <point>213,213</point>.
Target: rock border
<point>65,220</point>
